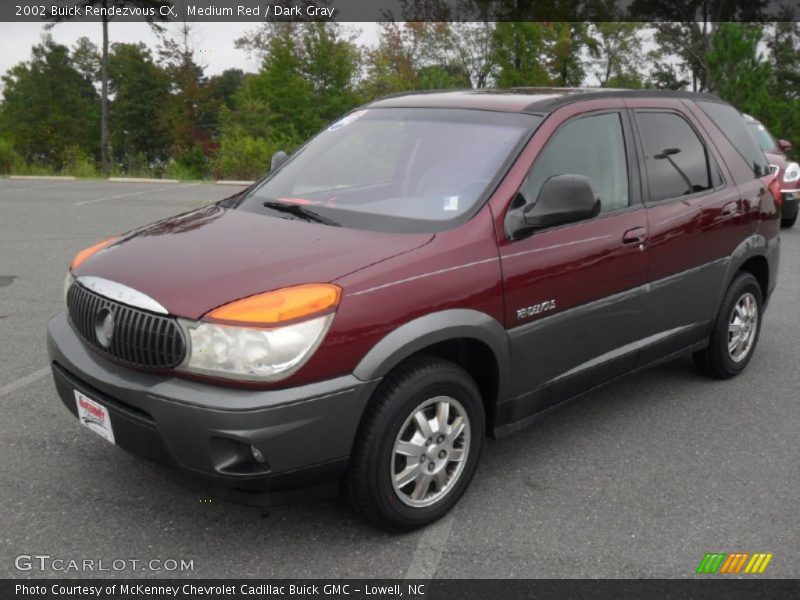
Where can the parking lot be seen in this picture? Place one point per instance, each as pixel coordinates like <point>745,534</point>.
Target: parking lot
<point>637,479</point>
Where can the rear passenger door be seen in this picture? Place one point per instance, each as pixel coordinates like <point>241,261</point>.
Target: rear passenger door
<point>695,220</point>
<point>574,294</point>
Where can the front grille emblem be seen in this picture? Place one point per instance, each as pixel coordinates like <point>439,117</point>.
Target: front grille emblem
<point>133,335</point>
<point>104,327</point>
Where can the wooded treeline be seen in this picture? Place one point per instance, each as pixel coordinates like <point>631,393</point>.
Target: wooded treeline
<point>168,117</point>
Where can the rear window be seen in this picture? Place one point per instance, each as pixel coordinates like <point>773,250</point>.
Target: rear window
<point>733,125</point>
<point>677,162</point>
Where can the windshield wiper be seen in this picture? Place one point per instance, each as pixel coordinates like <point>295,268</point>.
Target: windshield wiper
<point>301,211</point>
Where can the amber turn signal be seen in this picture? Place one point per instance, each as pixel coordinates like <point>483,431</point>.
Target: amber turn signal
<point>282,305</point>
<point>87,252</point>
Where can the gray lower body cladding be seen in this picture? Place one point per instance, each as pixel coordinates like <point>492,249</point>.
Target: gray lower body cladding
<point>204,433</point>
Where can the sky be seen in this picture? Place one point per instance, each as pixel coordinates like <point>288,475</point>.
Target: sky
<point>214,40</point>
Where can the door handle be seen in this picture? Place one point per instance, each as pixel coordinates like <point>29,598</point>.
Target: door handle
<point>731,208</point>
<point>637,235</point>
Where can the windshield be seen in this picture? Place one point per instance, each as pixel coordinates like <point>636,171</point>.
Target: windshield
<point>765,140</point>
<point>386,169</point>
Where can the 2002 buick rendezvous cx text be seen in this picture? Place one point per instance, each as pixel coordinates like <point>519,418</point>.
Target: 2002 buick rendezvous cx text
<point>428,270</point>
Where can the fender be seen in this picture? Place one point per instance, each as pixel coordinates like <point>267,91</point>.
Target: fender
<point>431,329</point>
<point>753,245</point>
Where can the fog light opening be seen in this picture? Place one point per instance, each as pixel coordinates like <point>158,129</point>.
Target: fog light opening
<point>235,457</point>
<point>258,455</point>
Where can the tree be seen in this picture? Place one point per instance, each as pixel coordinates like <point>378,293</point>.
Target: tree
<point>49,110</point>
<point>686,29</point>
<point>308,74</point>
<point>190,115</point>
<point>620,55</point>
<point>392,66</point>
<point>736,69</point>
<point>153,13</point>
<point>223,87</point>
<point>783,40</point>
<point>569,40</point>
<point>534,53</point>
<point>519,57</point>
<point>141,91</point>
<point>86,59</point>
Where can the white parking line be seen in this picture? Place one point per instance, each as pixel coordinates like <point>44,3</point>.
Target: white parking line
<point>430,547</point>
<point>150,191</point>
<point>23,381</point>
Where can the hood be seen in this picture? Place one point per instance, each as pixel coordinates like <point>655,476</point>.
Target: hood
<point>200,260</point>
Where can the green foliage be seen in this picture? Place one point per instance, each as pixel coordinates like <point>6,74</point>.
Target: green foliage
<point>736,70</point>
<point>139,137</point>
<point>541,54</point>
<point>79,164</point>
<point>192,163</point>
<point>620,54</point>
<point>48,107</point>
<point>168,117</point>
<point>244,157</point>
<point>86,59</point>
<point>8,156</point>
<point>223,87</point>
<point>519,54</point>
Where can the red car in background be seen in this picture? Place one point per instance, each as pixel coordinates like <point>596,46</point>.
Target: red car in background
<point>788,171</point>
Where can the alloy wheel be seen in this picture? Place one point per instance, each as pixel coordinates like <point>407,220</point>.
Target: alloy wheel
<point>430,451</point>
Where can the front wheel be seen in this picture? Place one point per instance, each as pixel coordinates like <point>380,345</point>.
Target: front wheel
<point>418,445</point>
<point>735,331</point>
<point>789,222</point>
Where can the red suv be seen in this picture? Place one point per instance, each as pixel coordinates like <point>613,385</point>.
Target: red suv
<point>428,270</point>
<point>788,172</point>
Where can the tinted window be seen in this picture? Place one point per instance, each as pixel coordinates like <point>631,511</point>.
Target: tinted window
<point>677,163</point>
<point>591,146</point>
<point>736,130</point>
<point>395,169</point>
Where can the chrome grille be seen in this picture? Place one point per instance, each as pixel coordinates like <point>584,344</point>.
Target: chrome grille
<point>139,338</point>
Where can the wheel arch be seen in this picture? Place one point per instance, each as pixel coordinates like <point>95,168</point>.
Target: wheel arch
<point>757,256</point>
<point>467,337</point>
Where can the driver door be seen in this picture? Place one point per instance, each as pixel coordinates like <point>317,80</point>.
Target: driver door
<point>575,293</point>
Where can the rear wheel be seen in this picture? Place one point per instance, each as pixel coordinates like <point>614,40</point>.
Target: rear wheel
<point>735,331</point>
<point>786,223</point>
<point>418,445</point>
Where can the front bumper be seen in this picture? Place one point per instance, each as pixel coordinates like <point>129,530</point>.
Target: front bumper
<point>791,200</point>
<point>205,432</point>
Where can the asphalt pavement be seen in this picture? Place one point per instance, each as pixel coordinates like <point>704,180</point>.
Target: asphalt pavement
<point>637,479</point>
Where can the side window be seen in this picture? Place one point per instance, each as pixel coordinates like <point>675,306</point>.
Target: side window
<point>591,146</point>
<point>735,129</point>
<point>677,163</point>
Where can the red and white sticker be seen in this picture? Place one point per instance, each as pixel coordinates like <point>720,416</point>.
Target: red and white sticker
<point>95,416</point>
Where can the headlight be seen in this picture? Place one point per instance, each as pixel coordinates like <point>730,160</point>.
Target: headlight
<point>253,354</point>
<point>264,337</point>
<point>792,173</point>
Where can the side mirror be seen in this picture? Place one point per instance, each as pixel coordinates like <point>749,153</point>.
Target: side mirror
<point>784,145</point>
<point>563,199</point>
<point>278,159</point>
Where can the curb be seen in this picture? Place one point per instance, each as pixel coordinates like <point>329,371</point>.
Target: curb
<point>234,182</point>
<point>43,177</point>
<point>140,180</point>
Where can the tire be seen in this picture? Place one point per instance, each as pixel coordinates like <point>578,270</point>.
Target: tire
<point>786,223</point>
<point>425,384</point>
<point>718,360</point>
